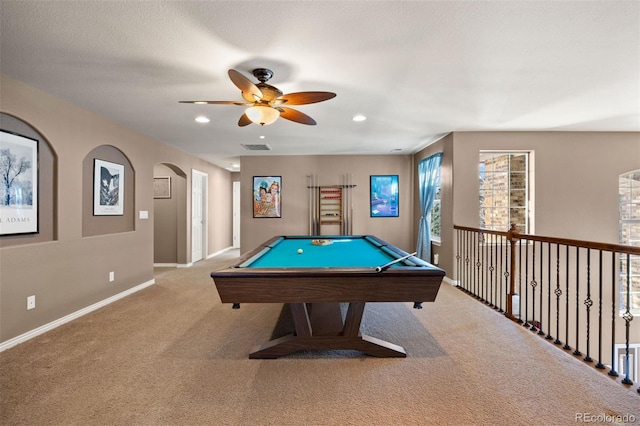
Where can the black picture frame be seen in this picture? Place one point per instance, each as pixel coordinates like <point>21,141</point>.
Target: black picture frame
<point>108,188</point>
<point>19,201</point>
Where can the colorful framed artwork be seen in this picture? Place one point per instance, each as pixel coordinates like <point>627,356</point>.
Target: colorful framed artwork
<point>162,187</point>
<point>384,196</point>
<point>267,192</point>
<point>108,188</point>
<point>19,187</point>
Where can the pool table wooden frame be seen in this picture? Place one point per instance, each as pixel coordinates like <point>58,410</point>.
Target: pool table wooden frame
<point>314,295</point>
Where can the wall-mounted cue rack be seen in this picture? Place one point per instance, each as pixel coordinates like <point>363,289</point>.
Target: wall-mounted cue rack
<point>330,209</point>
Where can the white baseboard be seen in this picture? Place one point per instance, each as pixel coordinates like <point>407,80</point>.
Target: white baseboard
<point>190,264</point>
<point>450,281</point>
<point>50,326</point>
<point>220,252</point>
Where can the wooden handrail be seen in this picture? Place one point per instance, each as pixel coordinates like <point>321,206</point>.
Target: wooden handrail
<point>513,234</point>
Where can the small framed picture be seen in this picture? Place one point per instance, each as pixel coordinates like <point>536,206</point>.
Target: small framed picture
<point>162,187</point>
<point>19,188</point>
<point>108,188</point>
<point>384,196</point>
<point>267,201</point>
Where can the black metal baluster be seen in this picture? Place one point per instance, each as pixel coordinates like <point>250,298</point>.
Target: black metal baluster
<point>588,303</point>
<point>533,285</point>
<point>466,260</point>
<point>577,350</point>
<point>520,320</point>
<point>566,302</point>
<point>541,283</point>
<point>600,365</point>
<point>506,244</point>
<point>474,255</point>
<point>558,293</point>
<point>548,336</point>
<point>478,264</point>
<point>627,316</point>
<point>613,372</point>
<point>490,271</point>
<point>458,257</point>
<point>526,291</point>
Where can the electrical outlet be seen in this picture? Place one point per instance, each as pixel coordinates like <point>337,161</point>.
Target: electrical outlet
<point>31,302</point>
<point>112,276</point>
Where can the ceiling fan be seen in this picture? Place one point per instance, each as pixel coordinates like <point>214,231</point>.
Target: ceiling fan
<point>266,103</point>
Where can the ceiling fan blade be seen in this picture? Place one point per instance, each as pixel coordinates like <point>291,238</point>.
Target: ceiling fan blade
<point>249,90</point>
<point>213,102</point>
<point>295,115</point>
<point>303,98</point>
<point>244,120</point>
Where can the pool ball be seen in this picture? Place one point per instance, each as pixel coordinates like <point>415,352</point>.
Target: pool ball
<point>299,251</point>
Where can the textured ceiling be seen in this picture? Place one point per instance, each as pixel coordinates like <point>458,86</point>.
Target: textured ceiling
<point>416,69</point>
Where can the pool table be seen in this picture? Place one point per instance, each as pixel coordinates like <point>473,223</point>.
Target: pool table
<point>314,274</point>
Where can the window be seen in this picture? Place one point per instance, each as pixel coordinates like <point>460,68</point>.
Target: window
<point>504,190</point>
<point>434,214</point>
<point>629,207</point>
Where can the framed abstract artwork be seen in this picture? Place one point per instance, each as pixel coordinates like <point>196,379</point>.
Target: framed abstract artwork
<point>267,193</point>
<point>383,196</point>
<point>19,184</point>
<point>108,188</point>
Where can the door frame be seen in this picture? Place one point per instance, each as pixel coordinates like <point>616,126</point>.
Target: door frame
<point>204,180</point>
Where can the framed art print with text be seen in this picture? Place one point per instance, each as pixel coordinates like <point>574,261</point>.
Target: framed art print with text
<point>18,184</point>
<point>108,188</point>
<point>384,196</point>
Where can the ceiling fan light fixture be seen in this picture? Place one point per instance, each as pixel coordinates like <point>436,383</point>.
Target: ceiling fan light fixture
<point>262,114</point>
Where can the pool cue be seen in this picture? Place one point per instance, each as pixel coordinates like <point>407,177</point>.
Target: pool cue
<point>386,266</point>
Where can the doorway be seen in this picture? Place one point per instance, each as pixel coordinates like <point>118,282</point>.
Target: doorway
<point>236,214</point>
<point>199,213</point>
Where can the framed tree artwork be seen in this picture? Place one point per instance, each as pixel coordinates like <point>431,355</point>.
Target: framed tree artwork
<point>384,196</point>
<point>267,201</point>
<point>18,184</point>
<point>108,188</point>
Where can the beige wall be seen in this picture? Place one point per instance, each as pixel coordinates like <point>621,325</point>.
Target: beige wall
<point>575,178</point>
<point>295,196</point>
<point>575,181</point>
<point>70,272</point>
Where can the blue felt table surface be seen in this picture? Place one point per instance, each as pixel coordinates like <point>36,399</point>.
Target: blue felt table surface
<point>341,253</point>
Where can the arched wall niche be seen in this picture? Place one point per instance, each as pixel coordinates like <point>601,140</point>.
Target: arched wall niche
<point>170,218</point>
<point>93,224</point>
<point>47,185</point>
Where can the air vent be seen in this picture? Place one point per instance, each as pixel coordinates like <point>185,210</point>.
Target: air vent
<point>257,147</point>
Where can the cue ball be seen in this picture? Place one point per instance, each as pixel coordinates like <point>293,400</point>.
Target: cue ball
<point>299,251</point>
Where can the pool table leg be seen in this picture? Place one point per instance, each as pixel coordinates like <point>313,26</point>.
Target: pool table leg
<point>321,333</point>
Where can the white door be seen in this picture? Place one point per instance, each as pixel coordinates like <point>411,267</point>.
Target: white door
<point>198,215</point>
<point>236,214</point>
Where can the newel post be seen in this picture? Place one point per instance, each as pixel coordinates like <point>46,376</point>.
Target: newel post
<point>513,237</point>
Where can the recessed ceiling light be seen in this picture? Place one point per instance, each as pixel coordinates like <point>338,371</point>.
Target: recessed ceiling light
<point>262,136</point>
<point>202,119</point>
<point>359,117</point>
<point>396,150</point>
